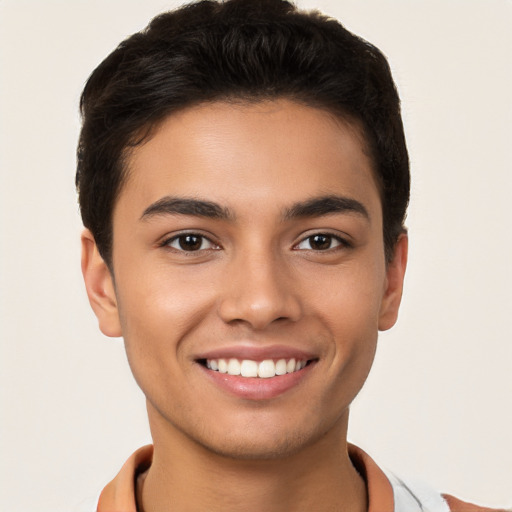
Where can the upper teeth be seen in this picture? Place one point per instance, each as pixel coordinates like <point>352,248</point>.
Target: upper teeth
<point>249,368</point>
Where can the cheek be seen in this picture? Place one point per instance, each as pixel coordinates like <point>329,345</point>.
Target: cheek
<point>158,311</point>
<point>349,308</point>
<point>353,328</point>
<point>350,297</point>
<point>163,302</point>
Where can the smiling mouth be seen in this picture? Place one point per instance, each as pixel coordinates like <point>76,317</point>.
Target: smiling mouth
<point>249,368</point>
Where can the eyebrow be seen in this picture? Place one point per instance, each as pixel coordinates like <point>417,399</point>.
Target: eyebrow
<point>187,206</point>
<point>326,205</point>
<point>314,207</point>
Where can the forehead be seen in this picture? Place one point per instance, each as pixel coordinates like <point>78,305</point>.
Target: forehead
<point>249,152</point>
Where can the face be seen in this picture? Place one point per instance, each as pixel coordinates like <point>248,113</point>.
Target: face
<point>250,277</point>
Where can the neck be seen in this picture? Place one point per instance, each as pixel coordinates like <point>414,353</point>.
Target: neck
<point>186,476</point>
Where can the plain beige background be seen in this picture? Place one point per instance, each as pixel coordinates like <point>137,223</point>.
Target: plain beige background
<point>438,402</point>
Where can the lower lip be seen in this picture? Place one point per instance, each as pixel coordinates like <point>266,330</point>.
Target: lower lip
<point>251,388</point>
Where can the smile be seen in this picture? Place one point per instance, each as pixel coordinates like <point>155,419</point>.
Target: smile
<point>265,369</point>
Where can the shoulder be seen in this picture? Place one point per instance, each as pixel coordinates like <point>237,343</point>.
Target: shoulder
<point>457,505</point>
<point>412,495</point>
<point>390,493</point>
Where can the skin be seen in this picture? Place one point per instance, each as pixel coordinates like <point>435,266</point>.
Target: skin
<point>257,279</point>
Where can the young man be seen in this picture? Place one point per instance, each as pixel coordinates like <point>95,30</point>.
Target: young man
<point>243,180</point>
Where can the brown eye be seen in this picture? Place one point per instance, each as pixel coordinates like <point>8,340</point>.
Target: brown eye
<point>190,242</point>
<point>321,242</point>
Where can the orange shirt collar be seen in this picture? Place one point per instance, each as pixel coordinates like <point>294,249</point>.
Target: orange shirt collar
<point>119,494</point>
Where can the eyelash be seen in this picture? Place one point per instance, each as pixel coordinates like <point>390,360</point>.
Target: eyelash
<point>167,243</point>
<point>341,243</point>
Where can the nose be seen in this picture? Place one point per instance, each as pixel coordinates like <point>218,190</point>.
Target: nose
<point>259,291</point>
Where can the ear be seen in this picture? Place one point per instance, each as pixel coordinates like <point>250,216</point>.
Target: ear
<point>394,284</point>
<point>100,287</point>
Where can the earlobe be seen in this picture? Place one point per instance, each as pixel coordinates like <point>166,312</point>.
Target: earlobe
<point>395,273</point>
<point>100,287</point>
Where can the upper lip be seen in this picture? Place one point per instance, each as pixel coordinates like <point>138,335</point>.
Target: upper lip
<point>257,353</point>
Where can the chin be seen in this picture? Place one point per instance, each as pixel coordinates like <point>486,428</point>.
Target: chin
<point>251,449</point>
<point>262,442</point>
